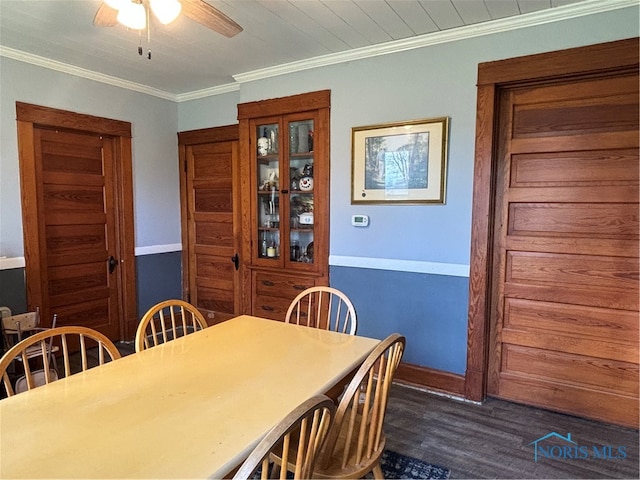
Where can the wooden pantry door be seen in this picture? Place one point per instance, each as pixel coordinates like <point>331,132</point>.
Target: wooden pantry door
<point>78,219</point>
<point>563,304</point>
<point>210,203</point>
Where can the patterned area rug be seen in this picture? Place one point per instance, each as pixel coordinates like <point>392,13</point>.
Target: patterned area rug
<point>396,465</point>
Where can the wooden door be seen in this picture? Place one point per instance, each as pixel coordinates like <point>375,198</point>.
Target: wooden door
<point>78,219</point>
<point>564,312</point>
<point>211,221</point>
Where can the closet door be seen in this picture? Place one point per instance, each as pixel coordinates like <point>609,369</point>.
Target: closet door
<point>210,225</point>
<point>554,281</point>
<point>565,309</point>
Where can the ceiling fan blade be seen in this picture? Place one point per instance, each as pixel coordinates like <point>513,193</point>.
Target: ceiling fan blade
<point>105,16</point>
<point>203,13</point>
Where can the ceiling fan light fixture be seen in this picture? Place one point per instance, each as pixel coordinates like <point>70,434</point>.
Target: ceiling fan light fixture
<point>166,11</point>
<point>133,15</point>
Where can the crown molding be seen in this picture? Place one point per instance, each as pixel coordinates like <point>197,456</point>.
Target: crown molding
<point>83,72</point>
<point>208,92</point>
<point>589,7</point>
<point>551,15</point>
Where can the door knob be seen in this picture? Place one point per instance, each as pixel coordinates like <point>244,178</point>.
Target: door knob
<point>113,263</point>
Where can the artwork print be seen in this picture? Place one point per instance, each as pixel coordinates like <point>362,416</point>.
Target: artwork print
<point>397,162</point>
<point>400,162</point>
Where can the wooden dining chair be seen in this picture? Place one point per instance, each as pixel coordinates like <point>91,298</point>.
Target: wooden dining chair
<point>17,327</point>
<point>356,440</point>
<point>323,307</point>
<point>166,321</point>
<point>93,348</point>
<point>308,424</point>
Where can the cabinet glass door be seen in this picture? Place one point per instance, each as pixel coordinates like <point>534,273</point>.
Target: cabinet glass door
<point>301,199</point>
<point>268,175</point>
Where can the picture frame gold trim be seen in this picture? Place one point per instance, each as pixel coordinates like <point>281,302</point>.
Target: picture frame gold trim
<point>400,163</point>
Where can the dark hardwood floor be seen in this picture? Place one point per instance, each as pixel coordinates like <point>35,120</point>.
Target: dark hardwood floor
<point>494,440</point>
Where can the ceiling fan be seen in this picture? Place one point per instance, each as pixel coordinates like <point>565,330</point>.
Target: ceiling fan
<point>135,13</point>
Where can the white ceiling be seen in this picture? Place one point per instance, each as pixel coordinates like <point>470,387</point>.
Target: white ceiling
<point>188,59</point>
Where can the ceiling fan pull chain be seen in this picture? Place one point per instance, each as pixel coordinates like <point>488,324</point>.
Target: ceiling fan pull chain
<point>140,43</point>
<point>148,34</point>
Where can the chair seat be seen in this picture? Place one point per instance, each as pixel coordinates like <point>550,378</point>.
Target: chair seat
<point>352,469</point>
<point>35,351</point>
<point>39,379</point>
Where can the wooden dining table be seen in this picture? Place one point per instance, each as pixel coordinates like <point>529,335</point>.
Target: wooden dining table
<point>194,407</point>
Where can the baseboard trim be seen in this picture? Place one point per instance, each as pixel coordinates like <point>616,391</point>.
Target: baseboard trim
<point>431,379</point>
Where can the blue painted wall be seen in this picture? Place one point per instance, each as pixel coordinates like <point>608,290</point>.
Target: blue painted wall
<point>430,310</point>
<point>158,278</point>
<point>13,293</point>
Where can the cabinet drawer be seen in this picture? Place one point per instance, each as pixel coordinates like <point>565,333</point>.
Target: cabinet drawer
<point>283,286</point>
<point>274,308</point>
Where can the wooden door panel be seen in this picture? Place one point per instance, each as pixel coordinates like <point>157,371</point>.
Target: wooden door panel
<point>562,318</point>
<point>574,143</point>
<point>79,228</point>
<point>89,313</point>
<point>595,167</point>
<point>77,209</point>
<point>574,294</point>
<point>215,299</point>
<point>567,270</point>
<point>577,220</point>
<point>586,402</point>
<point>567,282</point>
<point>566,368</point>
<point>213,233</point>
<point>583,279</point>
<point>218,271</point>
<point>605,105</point>
<point>574,343</point>
<point>591,246</point>
<point>64,240</point>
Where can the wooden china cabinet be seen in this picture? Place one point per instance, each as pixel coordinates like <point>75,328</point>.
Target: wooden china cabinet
<point>284,150</point>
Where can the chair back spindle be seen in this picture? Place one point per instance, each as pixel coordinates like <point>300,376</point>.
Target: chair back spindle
<point>302,432</point>
<point>167,321</point>
<point>356,441</point>
<point>323,307</point>
<point>43,347</point>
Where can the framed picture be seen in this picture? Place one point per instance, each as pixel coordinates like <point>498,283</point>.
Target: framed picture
<point>404,162</point>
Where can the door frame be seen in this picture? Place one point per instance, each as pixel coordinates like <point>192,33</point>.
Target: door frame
<point>29,117</point>
<point>493,78</point>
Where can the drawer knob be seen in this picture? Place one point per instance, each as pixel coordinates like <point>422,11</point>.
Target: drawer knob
<point>267,308</point>
<point>268,283</point>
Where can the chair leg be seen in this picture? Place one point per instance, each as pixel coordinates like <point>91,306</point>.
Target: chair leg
<point>377,472</point>
<point>275,470</point>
